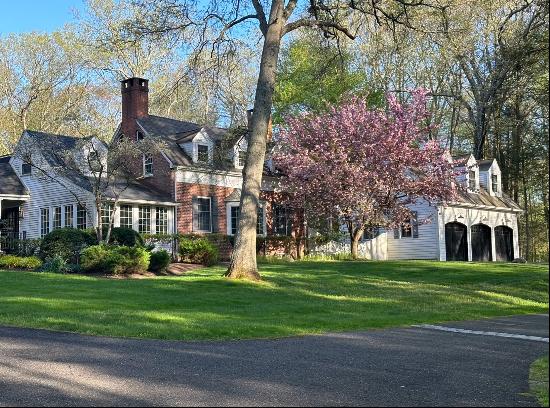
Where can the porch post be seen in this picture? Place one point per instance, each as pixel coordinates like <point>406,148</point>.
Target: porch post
<point>0,208</point>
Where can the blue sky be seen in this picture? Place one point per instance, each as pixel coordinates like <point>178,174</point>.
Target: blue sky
<point>18,16</point>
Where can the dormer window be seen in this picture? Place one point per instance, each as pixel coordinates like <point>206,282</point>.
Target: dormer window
<point>26,169</point>
<point>472,180</point>
<point>147,165</point>
<point>94,162</point>
<point>139,136</point>
<point>494,183</point>
<point>202,153</point>
<point>241,158</point>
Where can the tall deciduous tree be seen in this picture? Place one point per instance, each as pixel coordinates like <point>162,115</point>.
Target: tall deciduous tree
<point>365,166</point>
<point>275,19</point>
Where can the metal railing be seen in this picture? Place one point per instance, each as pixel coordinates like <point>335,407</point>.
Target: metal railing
<point>12,242</point>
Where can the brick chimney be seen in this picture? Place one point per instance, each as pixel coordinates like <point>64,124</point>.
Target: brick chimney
<point>135,104</point>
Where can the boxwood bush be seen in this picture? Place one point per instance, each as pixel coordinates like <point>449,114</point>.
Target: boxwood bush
<point>159,261</point>
<point>124,237</point>
<point>19,262</point>
<point>66,243</point>
<point>198,250</point>
<point>115,260</point>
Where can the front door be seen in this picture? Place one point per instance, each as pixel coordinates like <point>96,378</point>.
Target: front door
<point>481,243</point>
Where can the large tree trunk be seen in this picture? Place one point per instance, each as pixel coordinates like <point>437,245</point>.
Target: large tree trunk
<point>243,261</point>
<point>355,238</point>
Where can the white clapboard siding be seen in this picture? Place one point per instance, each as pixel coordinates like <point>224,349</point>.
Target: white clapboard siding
<point>46,193</point>
<point>426,246</point>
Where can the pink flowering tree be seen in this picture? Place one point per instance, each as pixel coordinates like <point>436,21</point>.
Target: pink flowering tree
<point>364,167</point>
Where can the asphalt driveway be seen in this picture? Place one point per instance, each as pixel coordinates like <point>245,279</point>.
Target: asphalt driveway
<point>408,366</point>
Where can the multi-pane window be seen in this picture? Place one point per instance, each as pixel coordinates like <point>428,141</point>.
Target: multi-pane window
<point>126,219</point>
<point>236,213</point>
<point>204,214</point>
<point>472,180</point>
<point>202,153</point>
<point>282,224</point>
<point>69,216</point>
<point>44,221</point>
<point>494,182</point>
<point>148,164</point>
<point>26,169</point>
<point>94,161</point>
<point>406,230</point>
<point>56,217</point>
<point>106,214</point>
<point>241,159</point>
<point>80,217</point>
<point>161,222</point>
<point>409,229</point>
<point>144,219</point>
<point>260,222</point>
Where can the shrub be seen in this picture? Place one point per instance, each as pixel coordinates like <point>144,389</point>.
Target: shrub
<point>56,265</point>
<point>159,261</point>
<point>115,259</point>
<point>124,236</point>
<point>66,243</point>
<point>19,262</point>
<point>198,250</point>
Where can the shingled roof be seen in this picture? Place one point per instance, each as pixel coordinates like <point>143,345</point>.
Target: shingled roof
<point>486,199</point>
<point>9,182</point>
<point>485,165</point>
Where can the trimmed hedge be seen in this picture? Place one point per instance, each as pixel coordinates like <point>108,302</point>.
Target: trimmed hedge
<point>19,262</point>
<point>198,250</point>
<point>115,260</point>
<point>159,261</point>
<point>124,237</point>
<point>66,243</point>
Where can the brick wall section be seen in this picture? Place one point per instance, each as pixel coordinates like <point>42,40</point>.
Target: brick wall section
<point>185,193</point>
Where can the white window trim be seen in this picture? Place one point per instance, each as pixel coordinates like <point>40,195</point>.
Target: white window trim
<point>146,174</point>
<point>196,151</point>
<point>210,213</point>
<point>236,160</point>
<point>228,218</point>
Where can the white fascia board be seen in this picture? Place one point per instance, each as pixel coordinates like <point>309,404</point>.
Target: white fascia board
<point>484,207</point>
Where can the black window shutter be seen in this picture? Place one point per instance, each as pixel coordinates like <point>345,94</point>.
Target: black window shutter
<point>214,212</point>
<point>195,214</point>
<point>414,222</point>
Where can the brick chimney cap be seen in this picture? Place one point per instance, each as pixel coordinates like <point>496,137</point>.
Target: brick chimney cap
<point>134,81</point>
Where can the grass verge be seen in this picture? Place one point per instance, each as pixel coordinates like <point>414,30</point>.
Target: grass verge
<point>294,298</point>
<point>538,380</point>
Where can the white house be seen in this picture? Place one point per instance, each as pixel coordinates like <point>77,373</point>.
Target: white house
<point>482,225</point>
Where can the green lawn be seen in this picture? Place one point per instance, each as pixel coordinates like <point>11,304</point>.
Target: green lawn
<point>293,299</point>
<point>538,379</point>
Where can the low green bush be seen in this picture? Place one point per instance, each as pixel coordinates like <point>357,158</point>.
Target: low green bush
<point>66,243</point>
<point>159,261</point>
<point>56,265</point>
<point>19,262</point>
<point>198,250</point>
<point>115,259</point>
<point>124,237</point>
